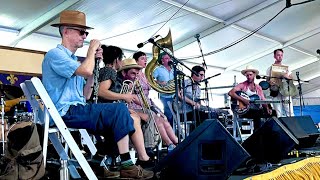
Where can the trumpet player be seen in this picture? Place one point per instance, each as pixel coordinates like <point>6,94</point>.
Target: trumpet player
<point>109,88</point>
<point>165,129</point>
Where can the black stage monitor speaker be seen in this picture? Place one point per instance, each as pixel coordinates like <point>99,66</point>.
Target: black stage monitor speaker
<point>303,128</point>
<point>209,152</point>
<point>271,142</point>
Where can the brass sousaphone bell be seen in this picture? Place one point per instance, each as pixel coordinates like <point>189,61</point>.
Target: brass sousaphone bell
<point>169,88</point>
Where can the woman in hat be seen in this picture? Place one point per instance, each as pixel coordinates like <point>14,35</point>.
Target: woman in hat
<point>164,126</point>
<point>250,88</point>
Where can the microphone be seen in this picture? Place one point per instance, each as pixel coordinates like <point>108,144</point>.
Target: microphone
<point>261,77</point>
<point>297,74</point>
<point>140,45</point>
<point>206,79</point>
<point>197,36</point>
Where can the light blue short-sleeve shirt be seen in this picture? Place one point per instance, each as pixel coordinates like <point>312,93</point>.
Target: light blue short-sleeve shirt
<point>58,77</point>
<point>162,74</point>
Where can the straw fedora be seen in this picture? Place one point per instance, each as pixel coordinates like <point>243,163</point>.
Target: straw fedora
<point>250,68</point>
<point>129,63</point>
<point>72,18</point>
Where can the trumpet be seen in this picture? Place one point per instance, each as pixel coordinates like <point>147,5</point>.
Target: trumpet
<point>127,88</point>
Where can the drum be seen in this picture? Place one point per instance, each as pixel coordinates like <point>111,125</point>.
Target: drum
<point>264,85</point>
<point>25,105</point>
<point>24,116</point>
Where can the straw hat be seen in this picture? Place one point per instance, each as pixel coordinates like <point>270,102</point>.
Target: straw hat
<point>250,68</point>
<point>129,63</point>
<point>72,18</point>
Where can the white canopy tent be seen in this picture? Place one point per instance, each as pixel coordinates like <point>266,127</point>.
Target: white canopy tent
<point>220,23</point>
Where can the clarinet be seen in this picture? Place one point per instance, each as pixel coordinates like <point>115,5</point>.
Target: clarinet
<point>95,81</point>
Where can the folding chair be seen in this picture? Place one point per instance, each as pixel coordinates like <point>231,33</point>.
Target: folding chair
<point>44,109</point>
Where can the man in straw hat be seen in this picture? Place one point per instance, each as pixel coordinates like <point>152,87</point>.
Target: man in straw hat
<point>112,90</point>
<point>130,70</point>
<point>64,79</point>
<point>250,88</point>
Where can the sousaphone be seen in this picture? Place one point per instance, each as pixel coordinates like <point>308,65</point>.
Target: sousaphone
<point>169,88</point>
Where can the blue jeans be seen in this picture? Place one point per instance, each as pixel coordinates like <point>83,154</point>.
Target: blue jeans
<point>166,109</point>
<point>104,119</point>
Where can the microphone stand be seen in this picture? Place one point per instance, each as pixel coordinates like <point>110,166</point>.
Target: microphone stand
<point>300,93</point>
<point>183,104</point>
<point>207,93</point>
<point>194,107</point>
<point>207,98</point>
<point>289,102</point>
<point>197,36</point>
<point>299,88</point>
<point>175,74</point>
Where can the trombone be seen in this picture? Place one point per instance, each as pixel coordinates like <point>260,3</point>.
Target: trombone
<point>146,108</point>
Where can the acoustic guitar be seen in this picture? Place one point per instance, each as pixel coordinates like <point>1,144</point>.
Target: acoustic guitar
<point>255,103</point>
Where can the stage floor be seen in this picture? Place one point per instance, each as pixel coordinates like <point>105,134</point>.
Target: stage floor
<point>242,172</point>
<point>296,155</point>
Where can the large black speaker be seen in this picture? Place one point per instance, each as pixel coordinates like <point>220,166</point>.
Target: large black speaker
<point>271,142</point>
<point>209,152</point>
<point>303,128</point>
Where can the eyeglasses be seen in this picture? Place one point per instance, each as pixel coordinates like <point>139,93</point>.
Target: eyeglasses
<point>81,31</point>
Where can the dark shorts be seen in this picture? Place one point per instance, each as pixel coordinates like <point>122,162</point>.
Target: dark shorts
<point>101,119</point>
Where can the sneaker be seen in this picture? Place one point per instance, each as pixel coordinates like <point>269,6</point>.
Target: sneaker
<point>146,164</point>
<point>110,174</point>
<point>135,172</point>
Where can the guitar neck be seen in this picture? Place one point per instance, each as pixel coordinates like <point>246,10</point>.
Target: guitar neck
<point>265,101</point>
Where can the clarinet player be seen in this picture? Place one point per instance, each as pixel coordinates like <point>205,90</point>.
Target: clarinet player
<point>64,76</point>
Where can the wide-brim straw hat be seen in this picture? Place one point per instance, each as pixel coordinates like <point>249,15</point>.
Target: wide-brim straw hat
<point>129,64</point>
<point>72,18</point>
<point>249,68</point>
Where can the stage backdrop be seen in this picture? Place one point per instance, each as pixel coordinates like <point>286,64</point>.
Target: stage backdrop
<point>312,110</point>
<point>15,78</point>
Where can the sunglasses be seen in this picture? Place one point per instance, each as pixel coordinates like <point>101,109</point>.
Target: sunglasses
<point>81,31</point>
<point>201,74</point>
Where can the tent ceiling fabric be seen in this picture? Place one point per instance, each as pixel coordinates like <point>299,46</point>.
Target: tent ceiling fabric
<point>125,23</point>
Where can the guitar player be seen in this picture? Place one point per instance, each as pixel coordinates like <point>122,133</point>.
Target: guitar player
<point>250,89</point>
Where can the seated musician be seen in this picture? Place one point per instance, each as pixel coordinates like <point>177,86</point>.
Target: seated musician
<point>250,88</point>
<point>192,97</point>
<point>109,89</point>
<point>63,77</point>
<point>164,127</point>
